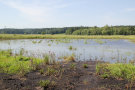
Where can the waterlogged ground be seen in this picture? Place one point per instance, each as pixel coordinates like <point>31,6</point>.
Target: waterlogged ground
<point>91,49</point>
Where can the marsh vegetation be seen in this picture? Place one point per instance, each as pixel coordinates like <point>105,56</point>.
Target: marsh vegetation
<point>82,61</point>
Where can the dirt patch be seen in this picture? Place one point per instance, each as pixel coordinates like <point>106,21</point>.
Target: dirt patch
<point>69,76</point>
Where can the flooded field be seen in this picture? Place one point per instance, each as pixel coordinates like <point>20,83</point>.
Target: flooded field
<point>82,49</point>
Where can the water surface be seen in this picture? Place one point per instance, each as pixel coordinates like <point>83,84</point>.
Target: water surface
<point>91,49</point>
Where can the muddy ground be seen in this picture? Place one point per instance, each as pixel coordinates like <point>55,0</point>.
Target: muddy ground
<point>70,76</point>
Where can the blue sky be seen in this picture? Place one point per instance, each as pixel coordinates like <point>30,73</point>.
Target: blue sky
<point>60,13</point>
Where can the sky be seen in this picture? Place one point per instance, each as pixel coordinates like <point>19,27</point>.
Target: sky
<point>65,13</point>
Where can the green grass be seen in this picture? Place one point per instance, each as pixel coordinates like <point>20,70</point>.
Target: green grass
<point>17,64</point>
<point>59,36</point>
<point>51,71</point>
<point>47,83</point>
<point>117,71</point>
<point>44,83</point>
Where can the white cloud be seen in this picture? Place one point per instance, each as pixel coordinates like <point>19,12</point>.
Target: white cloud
<point>36,10</point>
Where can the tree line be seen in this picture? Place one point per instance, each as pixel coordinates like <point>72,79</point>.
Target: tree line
<point>38,30</point>
<point>106,30</point>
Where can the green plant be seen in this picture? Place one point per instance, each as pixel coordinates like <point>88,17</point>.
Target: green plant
<point>117,70</point>
<point>34,42</point>
<point>22,51</point>
<point>47,83</point>
<point>85,65</point>
<point>70,48</point>
<point>41,71</point>
<point>53,83</point>
<point>17,64</point>
<point>51,71</point>
<point>49,59</point>
<point>44,83</point>
<point>72,66</point>
<point>40,41</point>
<point>46,59</point>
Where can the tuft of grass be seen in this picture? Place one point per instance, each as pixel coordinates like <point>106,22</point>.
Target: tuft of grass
<point>99,41</point>
<point>49,59</point>
<point>71,48</point>
<point>34,42</point>
<point>40,41</point>
<point>44,83</point>
<point>51,71</point>
<point>47,83</point>
<point>46,59</point>
<point>72,66</point>
<point>85,65</point>
<point>69,58</point>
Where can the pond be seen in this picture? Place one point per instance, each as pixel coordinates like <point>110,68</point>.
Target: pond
<point>83,49</point>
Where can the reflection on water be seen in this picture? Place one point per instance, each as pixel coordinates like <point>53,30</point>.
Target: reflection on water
<point>90,49</point>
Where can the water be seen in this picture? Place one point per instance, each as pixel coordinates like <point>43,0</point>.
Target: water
<point>91,49</point>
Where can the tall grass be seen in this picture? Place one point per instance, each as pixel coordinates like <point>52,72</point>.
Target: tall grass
<point>38,36</point>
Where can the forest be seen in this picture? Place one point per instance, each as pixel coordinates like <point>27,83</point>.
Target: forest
<point>82,30</point>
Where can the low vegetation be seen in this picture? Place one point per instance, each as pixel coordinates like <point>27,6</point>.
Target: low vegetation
<point>69,58</point>
<point>85,65</point>
<point>47,83</point>
<point>117,71</point>
<point>18,64</point>
<point>62,36</point>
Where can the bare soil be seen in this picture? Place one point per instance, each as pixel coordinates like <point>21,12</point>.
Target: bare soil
<point>67,78</point>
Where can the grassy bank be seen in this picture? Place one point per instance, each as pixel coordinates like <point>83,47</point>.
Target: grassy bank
<point>119,71</point>
<point>29,73</point>
<point>62,36</point>
<point>19,64</point>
